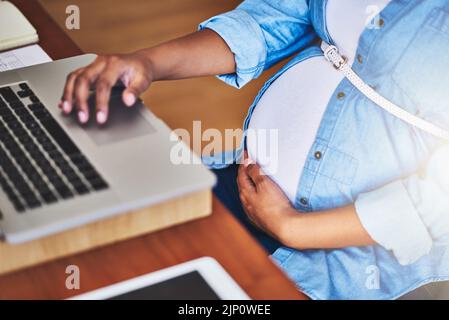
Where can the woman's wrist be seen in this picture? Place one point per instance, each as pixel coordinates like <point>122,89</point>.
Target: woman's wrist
<point>288,225</point>
<point>149,58</point>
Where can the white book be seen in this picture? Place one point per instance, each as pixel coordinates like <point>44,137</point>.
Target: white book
<point>15,29</point>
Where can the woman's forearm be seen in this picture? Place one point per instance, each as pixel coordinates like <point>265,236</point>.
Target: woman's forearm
<point>333,229</point>
<point>202,53</point>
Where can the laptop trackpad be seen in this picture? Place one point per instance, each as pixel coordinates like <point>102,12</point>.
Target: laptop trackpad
<point>123,123</point>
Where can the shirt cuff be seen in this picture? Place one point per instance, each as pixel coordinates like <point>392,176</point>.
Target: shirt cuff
<point>392,220</point>
<point>223,159</point>
<point>245,39</point>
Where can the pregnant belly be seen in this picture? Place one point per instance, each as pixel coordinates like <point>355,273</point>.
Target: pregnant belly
<point>286,120</point>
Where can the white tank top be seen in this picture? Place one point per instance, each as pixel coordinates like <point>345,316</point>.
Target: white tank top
<point>295,103</point>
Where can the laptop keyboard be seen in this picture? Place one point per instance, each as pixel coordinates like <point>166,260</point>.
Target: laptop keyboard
<point>39,163</point>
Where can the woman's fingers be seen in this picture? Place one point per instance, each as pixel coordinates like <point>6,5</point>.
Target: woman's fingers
<point>244,181</point>
<point>104,84</point>
<point>134,88</point>
<point>134,72</point>
<point>103,93</point>
<point>255,173</point>
<point>77,89</point>
<point>81,96</point>
<point>66,103</point>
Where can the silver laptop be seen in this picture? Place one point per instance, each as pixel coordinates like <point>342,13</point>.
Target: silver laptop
<point>55,174</point>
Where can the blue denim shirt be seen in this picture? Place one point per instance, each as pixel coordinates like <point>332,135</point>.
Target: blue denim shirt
<point>370,158</point>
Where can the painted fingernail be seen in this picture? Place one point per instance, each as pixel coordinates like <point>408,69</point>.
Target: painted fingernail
<point>130,99</point>
<point>101,117</point>
<point>247,162</point>
<point>66,107</point>
<point>82,117</point>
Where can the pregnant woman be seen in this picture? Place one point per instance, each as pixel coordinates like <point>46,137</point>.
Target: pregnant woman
<point>358,207</point>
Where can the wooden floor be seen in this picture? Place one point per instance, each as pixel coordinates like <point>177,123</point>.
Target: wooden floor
<point>110,26</point>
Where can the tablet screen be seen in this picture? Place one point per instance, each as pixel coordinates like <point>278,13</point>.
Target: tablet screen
<point>199,279</point>
<point>189,286</point>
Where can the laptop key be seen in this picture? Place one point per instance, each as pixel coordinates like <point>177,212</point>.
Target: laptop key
<point>42,114</point>
<point>9,191</point>
<point>81,189</point>
<point>21,111</point>
<point>60,136</point>
<point>8,94</point>
<point>18,206</point>
<point>33,203</point>
<point>48,196</point>
<point>24,86</point>
<point>37,106</point>
<point>5,112</point>
<point>33,98</point>
<point>99,184</point>
<point>66,193</point>
<point>26,118</point>
<point>16,105</point>
<point>24,93</point>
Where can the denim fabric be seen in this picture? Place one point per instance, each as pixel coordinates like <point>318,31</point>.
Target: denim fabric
<point>365,150</point>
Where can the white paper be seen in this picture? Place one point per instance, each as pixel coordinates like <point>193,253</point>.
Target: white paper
<point>23,57</point>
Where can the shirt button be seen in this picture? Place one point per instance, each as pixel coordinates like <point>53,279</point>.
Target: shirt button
<point>318,155</point>
<point>341,95</point>
<point>304,201</point>
<point>381,23</point>
<point>360,58</point>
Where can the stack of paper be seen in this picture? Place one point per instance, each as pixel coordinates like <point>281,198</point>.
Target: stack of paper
<point>23,57</point>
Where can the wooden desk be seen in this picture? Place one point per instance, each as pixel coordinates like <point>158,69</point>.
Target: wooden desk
<point>219,236</point>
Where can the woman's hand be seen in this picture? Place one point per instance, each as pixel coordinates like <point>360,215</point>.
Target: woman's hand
<point>134,70</point>
<point>264,202</point>
<point>202,53</point>
<point>270,210</point>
